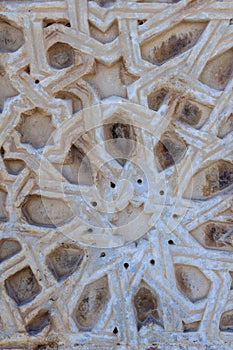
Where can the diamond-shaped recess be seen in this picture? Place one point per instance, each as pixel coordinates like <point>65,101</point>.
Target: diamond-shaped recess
<point>92,304</point>
<point>8,248</point>
<point>22,287</point>
<point>192,282</point>
<point>65,260</point>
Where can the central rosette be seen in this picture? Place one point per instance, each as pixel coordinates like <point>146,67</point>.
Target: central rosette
<point>110,174</point>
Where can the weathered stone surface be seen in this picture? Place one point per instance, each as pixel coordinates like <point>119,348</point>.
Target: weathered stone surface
<point>116,166</point>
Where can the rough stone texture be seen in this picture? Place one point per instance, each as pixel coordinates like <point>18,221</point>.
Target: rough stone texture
<point>116,169</point>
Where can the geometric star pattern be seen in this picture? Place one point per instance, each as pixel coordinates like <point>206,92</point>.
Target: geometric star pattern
<point>132,100</point>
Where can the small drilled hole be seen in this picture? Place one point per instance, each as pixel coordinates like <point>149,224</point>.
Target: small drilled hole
<point>175,216</point>
<point>94,204</point>
<point>171,242</point>
<point>161,193</point>
<point>126,265</point>
<point>152,261</point>
<point>139,181</point>
<point>37,81</point>
<point>115,330</point>
<point>102,255</point>
<point>90,230</point>
<point>112,184</point>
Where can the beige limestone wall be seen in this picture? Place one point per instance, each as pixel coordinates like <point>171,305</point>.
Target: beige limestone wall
<point>116,166</point>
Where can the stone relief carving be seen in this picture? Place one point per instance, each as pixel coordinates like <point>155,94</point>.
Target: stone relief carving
<point>116,174</point>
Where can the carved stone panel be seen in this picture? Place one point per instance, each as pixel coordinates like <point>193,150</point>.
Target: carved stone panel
<point>116,166</point>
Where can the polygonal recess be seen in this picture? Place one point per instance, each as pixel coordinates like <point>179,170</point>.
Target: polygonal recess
<point>92,304</point>
<point>75,100</point>
<point>209,181</point>
<point>6,88</point>
<point>156,98</point>
<point>215,235</point>
<point>107,36</point>
<point>22,287</point>
<point>218,72</point>
<point>8,248</point>
<point>64,261</point>
<point>169,150</point>
<point>146,305</point>
<point>77,168</point>
<point>120,139</point>
<point>35,127</point>
<point>231,274</point>
<point>226,127</point>
<point>3,212</point>
<point>11,38</point>
<point>192,113</point>
<point>192,282</point>
<point>14,166</point>
<point>61,55</point>
<point>38,323</point>
<point>226,321</point>
<point>159,49</point>
<point>116,79</point>
<point>191,327</point>
<point>44,211</point>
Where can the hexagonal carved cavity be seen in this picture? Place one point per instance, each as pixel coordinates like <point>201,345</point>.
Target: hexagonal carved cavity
<point>226,127</point>
<point>22,287</point>
<point>14,166</point>
<point>92,304</point>
<point>11,38</point>
<point>6,88</point>
<point>64,261</point>
<point>77,168</point>
<point>156,98</point>
<point>159,49</point>
<point>218,71</point>
<point>169,150</point>
<point>44,211</point>
<point>192,113</point>
<point>3,212</point>
<point>215,235</point>
<point>120,140</point>
<point>192,282</point>
<point>38,323</point>
<point>35,127</point>
<point>147,306</point>
<point>210,180</point>
<point>8,248</point>
<point>61,56</point>
<point>226,321</point>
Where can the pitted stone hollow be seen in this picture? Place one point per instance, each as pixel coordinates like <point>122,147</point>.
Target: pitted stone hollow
<point>11,38</point>
<point>61,56</point>
<point>22,287</point>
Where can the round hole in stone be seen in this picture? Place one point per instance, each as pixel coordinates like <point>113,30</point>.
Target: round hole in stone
<point>94,204</point>
<point>112,184</point>
<point>139,181</point>
<point>161,193</point>
<point>171,242</point>
<point>90,230</point>
<point>102,255</point>
<point>175,216</point>
<point>152,261</point>
<point>126,265</point>
<point>37,81</point>
<point>115,330</point>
